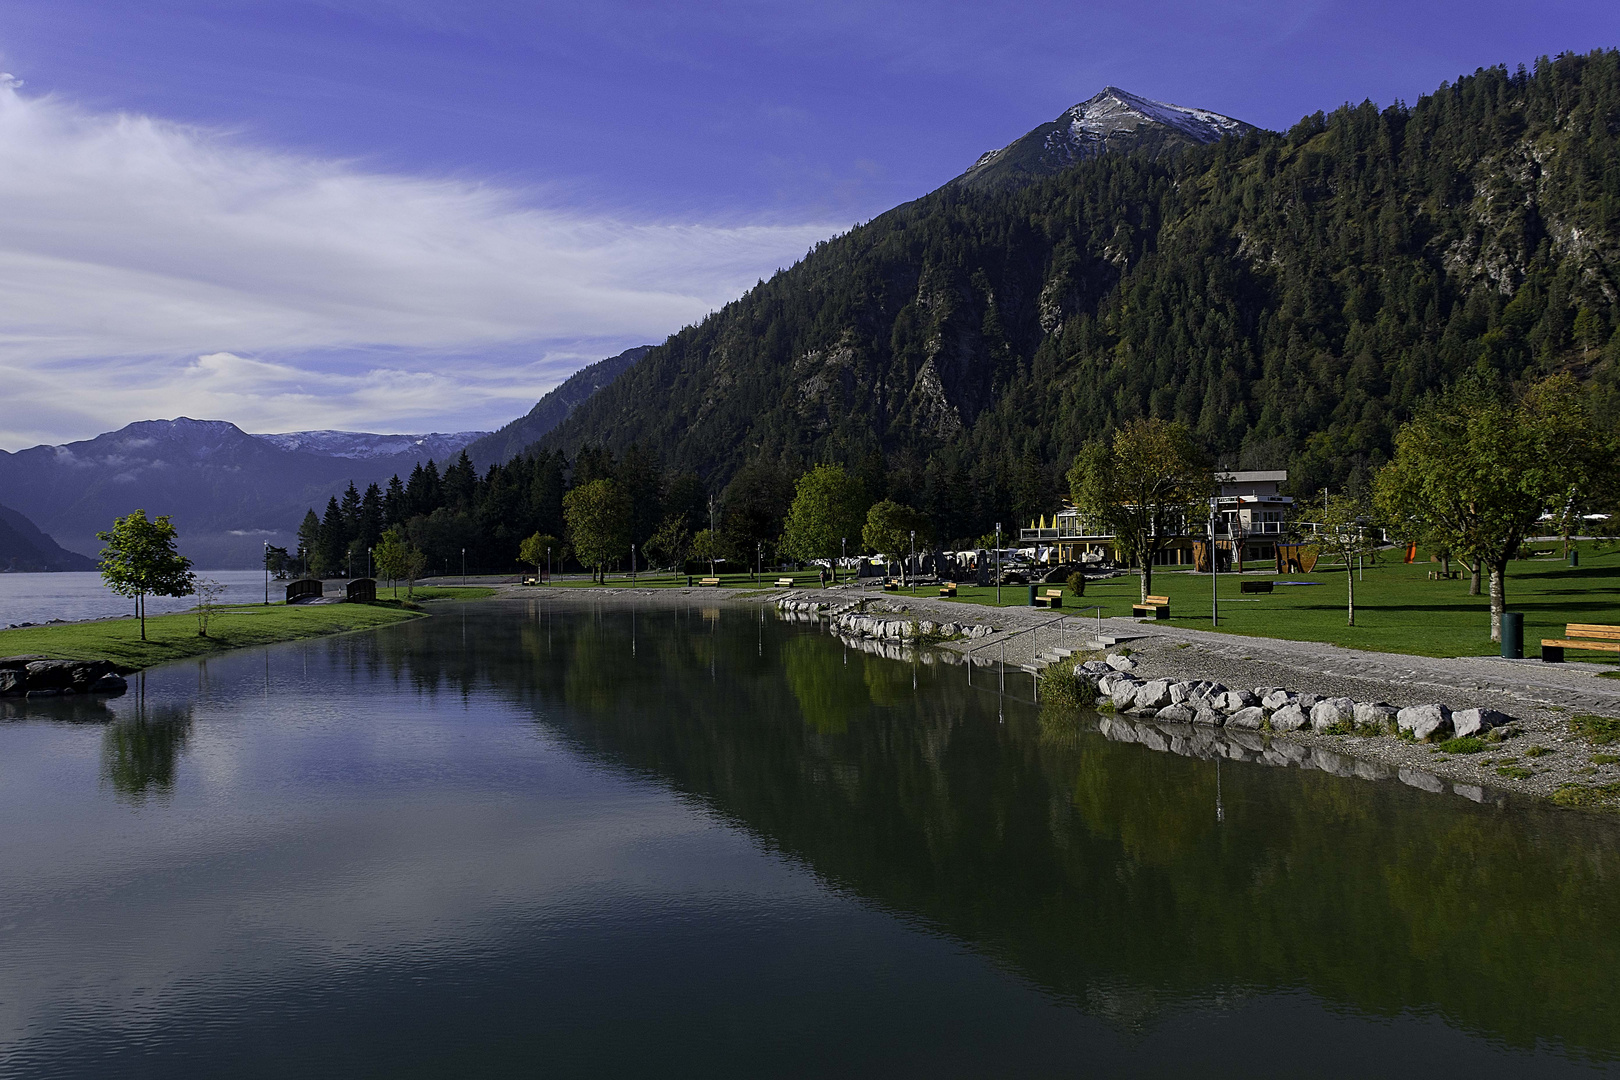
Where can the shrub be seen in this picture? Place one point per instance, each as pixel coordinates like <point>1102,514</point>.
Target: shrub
<point>1536,751</point>
<point>1605,759</point>
<point>1514,772</point>
<point>1077,583</point>
<point>1468,744</point>
<point>1586,795</point>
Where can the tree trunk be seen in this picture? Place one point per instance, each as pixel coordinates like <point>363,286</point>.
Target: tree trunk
<point>1498,597</point>
<point>141,603</point>
<point>1147,574</point>
<point>1473,577</point>
<point>1350,583</point>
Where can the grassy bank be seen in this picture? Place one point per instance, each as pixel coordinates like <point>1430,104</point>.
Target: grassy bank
<point>174,637</point>
<point>1398,609</point>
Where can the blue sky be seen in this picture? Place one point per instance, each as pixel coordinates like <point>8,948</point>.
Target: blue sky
<point>413,215</point>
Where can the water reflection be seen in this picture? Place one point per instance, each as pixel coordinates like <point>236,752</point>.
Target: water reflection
<point>674,840</point>
<point>139,753</point>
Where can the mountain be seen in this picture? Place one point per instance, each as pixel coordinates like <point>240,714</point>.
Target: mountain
<point>1291,297</point>
<point>361,445</point>
<point>229,492</point>
<point>1113,121</point>
<point>551,410</point>
<point>24,549</point>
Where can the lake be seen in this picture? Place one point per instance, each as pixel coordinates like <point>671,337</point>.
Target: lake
<point>74,597</point>
<point>518,840</point>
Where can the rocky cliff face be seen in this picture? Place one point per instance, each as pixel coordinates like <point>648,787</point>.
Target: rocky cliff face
<point>1111,121</point>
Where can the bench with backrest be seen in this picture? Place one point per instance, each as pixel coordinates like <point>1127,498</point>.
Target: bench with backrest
<point>1594,636</point>
<point>1254,586</point>
<point>709,581</point>
<point>948,589</point>
<point>784,582</point>
<point>891,585</point>
<point>1156,606</point>
<point>1052,599</point>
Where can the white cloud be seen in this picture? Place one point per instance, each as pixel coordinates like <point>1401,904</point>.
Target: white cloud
<point>152,269</point>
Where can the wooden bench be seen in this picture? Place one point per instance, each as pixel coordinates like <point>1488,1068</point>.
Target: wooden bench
<point>1052,599</point>
<point>1156,606</point>
<point>784,582</point>
<point>1444,575</point>
<point>709,581</point>
<point>1254,586</point>
<point>1594,636</point>
<point>948,590</point>
<point>891,585</point>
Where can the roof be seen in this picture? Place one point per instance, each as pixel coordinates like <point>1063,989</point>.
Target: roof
<point>1254,477</point>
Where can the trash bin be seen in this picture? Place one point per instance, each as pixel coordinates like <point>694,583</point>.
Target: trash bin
<point>1032,594</point>
<point>1574,556</point>
<point>1512,635</point>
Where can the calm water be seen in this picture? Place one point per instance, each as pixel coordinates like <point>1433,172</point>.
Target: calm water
<point>39,598</point>
<point>507,842</point>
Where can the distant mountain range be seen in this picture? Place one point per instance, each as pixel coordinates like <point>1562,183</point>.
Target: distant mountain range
<point>551,410</point>
<point>25,549</point>
<point>229,492</point>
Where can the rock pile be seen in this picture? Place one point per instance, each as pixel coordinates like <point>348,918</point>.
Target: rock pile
<point>36,676</point>
<point>1273,707</point>
<point>856,624</point>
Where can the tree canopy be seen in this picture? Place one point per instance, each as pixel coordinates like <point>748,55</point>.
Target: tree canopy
<point>827,511</point>
<point>141,559</point>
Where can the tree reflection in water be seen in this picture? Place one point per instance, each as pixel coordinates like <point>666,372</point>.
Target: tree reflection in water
<point>139,754</point>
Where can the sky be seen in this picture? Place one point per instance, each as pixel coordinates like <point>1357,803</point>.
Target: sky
<point>404,215</point>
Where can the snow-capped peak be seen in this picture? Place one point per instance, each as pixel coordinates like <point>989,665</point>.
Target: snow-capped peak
<point>1115,110</point>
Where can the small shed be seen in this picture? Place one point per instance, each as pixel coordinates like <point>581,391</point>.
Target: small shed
<point>363,589</point>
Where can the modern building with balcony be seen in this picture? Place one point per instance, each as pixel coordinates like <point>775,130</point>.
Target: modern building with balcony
<point>1251,515</point>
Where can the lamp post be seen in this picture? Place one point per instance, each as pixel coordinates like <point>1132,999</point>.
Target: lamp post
<point>267,573</point>
<point>913,567</point>
<point>843,553</point>
<point>548,562</point>
<point>632,564</point>
<point>1214,563</point>
<point>759,558</point>
<point>368,563</point>
<point>463,567</point>
<point>998,563</point>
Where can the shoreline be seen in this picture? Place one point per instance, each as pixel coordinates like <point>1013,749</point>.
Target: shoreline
<point>1541,699</point>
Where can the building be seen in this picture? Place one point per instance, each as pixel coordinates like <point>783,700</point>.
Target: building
<point>1252,514</point>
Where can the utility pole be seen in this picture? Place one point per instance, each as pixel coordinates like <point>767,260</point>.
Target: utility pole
<point>998,568</point>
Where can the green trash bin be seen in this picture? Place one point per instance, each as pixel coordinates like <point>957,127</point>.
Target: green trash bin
<point>1032,594</point>
<point>1512,635</point>
<point>1574,556</point>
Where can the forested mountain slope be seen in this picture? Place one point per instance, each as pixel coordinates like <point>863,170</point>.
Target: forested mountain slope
<point>1289,296</point>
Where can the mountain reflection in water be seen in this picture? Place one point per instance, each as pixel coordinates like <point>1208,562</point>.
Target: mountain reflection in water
<point>1165,896</point>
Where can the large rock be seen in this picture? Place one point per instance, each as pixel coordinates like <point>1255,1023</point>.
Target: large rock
<point>1288,718</point>
<point>1233,700</point>
<point>1120,662</point>
<point>1178,713</point>
<point>1307,702</point>
<point>1332,711</point>
<point>1374,714</point>
<point>1424,721</point>
<point>1124,693</point>
<point>1153,695</point>
<point>1181,691</point>
<point>1207,715</point>
<point>13,681</point>
<point>1277,699</point>
<point>1477,721</point>
<point>1098,667</point>
<point>1250,718</point>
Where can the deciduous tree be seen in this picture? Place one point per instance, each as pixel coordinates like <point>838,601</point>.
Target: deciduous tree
<point>889,528</point>
<point>598,516</point>
<point>140,559</point>
<point>827,510</point>
<point>1476,470</point>
<point>1144,485</point>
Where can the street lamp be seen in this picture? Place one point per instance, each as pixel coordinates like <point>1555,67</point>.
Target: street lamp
<point>368,563</point>
<point>759,558</point>
<point>914,559</point>
<point>548,562</point>
<point>998,562</point>
<point>843,553</point>
<point>632,564</point>
<point>464,567</point>
<point>267,573</point>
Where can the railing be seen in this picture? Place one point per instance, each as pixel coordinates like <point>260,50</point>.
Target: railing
<point>1035,649</point>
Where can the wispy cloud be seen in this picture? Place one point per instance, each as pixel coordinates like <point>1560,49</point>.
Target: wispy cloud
<point>148,268</point>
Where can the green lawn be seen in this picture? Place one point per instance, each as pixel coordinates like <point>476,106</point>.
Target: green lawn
<point>174,637</point>
<point>1397,608</point>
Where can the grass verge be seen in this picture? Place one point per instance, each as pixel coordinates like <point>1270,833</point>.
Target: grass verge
<point>175,637</point>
